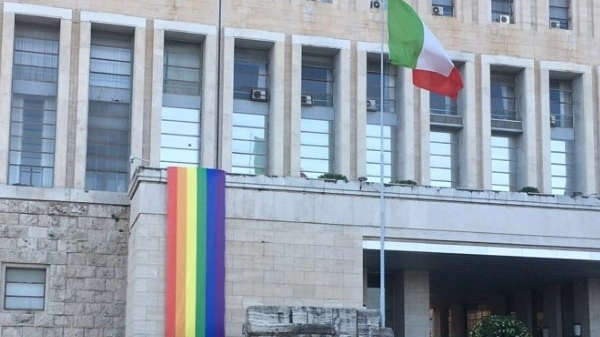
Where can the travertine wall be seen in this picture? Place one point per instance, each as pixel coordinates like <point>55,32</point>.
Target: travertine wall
<point>83,246</point>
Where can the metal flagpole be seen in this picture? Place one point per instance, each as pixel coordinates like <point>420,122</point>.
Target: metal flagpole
<point>381,177</point>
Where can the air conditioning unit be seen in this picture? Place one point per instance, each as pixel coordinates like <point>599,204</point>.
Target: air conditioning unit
<point>504,19</point>
<point>259,95</point>
<point>375,4</point>
<point>307,100</point>
<point>437,10</point>
<point>553,121</point>
<point>554,24</point>
<point>371,105</point>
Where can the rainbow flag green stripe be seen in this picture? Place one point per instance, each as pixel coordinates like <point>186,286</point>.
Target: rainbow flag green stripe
<point>195,281</point>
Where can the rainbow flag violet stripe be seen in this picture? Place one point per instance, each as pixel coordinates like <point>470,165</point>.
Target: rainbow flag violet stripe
<point>413,45</point>
<point>195,280</point>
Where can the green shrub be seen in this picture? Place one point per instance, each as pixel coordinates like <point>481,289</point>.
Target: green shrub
<point>529,189</point>
<point>404,182</point>
<point>333,176</point>
<point>500,326</point>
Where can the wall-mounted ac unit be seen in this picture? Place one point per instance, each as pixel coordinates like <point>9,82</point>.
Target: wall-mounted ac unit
<point>375,4</point>
<point>553,121</point>
<point>307,100</point>
<point>504,19</point>
<point>371,105</point>
<point>554,24</point>
<point>437,10</point>
<point>259,95</point>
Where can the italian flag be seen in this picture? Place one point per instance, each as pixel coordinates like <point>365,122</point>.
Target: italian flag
<point>413,45</point>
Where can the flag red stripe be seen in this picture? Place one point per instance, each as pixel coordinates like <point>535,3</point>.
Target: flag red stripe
<point>438,83</point>
<point>171,251</point>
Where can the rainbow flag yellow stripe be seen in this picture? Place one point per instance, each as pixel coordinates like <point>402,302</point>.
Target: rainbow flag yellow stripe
<point>195,284</point>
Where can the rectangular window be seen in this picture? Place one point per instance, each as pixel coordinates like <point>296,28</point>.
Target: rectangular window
<point>318,79</point>
<point>442,159</point>
<point>443,7</point>
<point>109,113</point>
<point>25,288</point>
<point>561,103</point>
<point>317,124</point>
<point>503,97</point>
<point>374,133</point>
<point>442,105</point>
<point>315,147</point>
<point>502,10</point>
<point>562,168</point>
<point>504,163</point>
<point>251,72</point>
<point>374,143</point>
<point>181,112</point>
<point>559,13</point>
<point>33,105</point>
<point>250,111</point>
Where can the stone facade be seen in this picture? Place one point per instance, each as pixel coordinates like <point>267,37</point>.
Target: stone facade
<point>83,247</point>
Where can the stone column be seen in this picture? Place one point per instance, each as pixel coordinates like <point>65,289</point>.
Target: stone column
<point>458,321</point>
<point>411,303</point>
<point>586,296</point>
<point>145,306</point>
<point>524,307</point>
<point>552,310</point>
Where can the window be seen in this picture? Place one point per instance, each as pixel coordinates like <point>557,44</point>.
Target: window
<point>107,165</point>
<point>504,163</point>
<point>442,105</point>
<point>180,121</point>
<point>317,79</point>
<point>25,288</point>
<point>503,96</point>
<point>502,9</point>
<point>317,124</point>
<point>442,160</point>
<point>562,168</point>
<point>33,105</point>
<point>444,7</point>
<point>251,111</point>
<point>374,133</point>
<point>561,103</point>
<point>559,14</point>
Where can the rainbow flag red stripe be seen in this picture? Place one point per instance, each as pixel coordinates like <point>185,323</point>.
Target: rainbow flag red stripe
<point>195,284</point>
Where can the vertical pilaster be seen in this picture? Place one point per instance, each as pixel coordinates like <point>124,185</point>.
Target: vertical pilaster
<point>62,104</point>
<point>277,108</point>
<point>552,309</point>
<point>295,109</point>
<point>85,38</point>
<point>406,125</point>
<point>342,113</point>
<point>6,61</point>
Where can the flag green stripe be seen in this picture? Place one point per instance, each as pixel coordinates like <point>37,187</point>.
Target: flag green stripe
<point>405,34</point>
<point>201,255</point>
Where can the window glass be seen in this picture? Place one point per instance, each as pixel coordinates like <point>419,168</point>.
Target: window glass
<point>504,163</point>
<point>318,79</point>
<point>442,105</point>
<point>33,105</point>
<point>374,143</point>
<point>374,86</point>
<point>562,168</point>
<point>25,289</point>
<point>181,112</point>
<point>441,158</point>
<point>447,5</point>
<point>107,164</point>
<point>503,97</point>
<point>561,103</point>
<point>251,71</point>
<point>559,13</point>
<point>500,8</point>
<point>315,147</point>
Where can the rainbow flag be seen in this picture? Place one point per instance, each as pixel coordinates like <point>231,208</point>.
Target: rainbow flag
<point>195,292</point>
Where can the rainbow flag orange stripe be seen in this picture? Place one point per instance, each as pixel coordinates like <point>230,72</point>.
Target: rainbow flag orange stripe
<point>195,289</point>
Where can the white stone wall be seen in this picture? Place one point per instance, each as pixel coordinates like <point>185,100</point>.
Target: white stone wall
<point>83,245</point>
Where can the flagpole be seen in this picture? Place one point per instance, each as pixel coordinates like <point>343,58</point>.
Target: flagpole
<point>381,177</point>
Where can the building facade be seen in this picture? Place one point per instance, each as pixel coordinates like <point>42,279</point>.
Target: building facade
<point>98,98</point>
